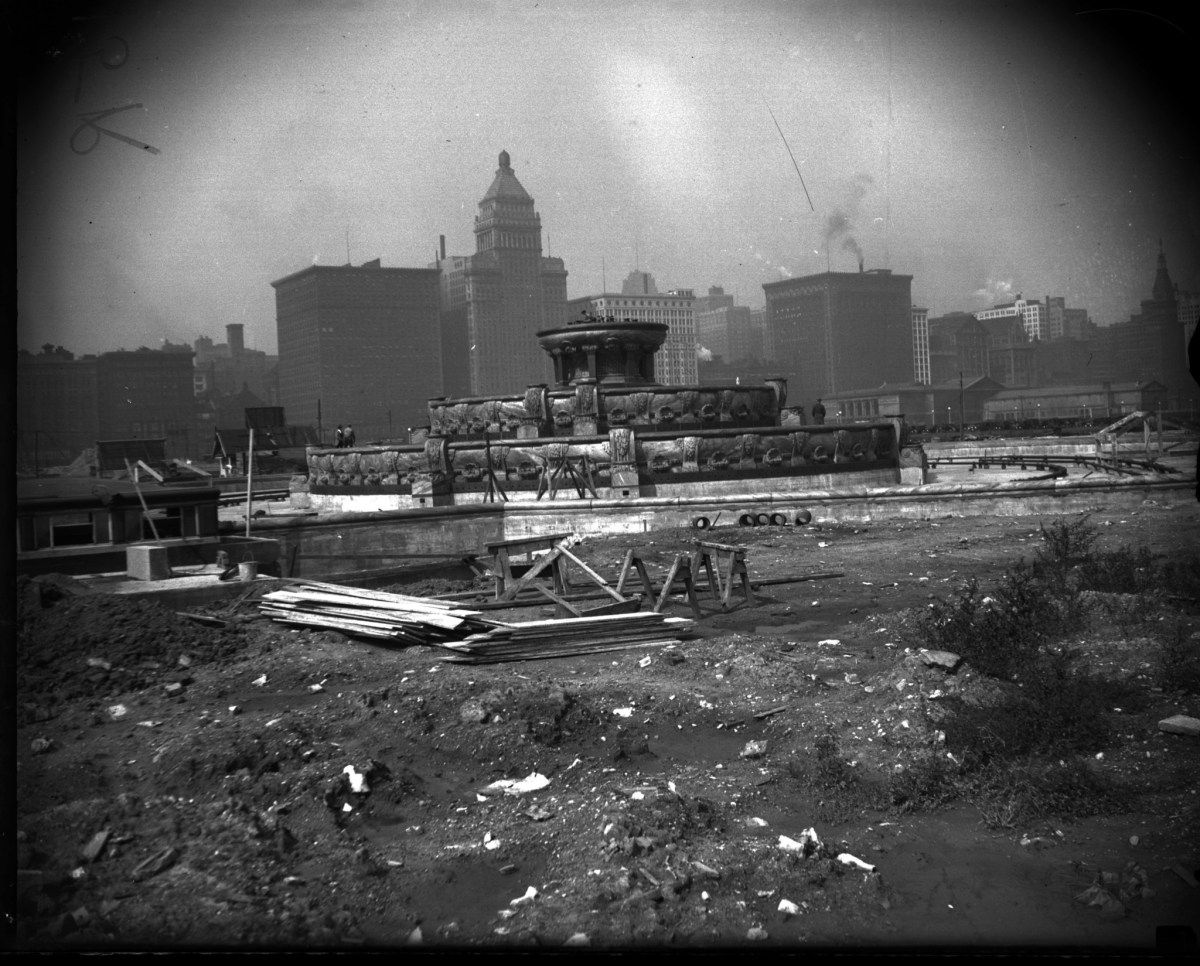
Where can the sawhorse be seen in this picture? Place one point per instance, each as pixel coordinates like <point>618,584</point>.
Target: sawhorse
<point>730,564</point>
<point>559,547</point>
<point>680,570</point>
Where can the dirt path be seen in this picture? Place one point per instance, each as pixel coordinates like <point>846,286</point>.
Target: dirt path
<point>227,818</point>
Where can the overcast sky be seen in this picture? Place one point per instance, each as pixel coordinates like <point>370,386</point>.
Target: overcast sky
<point>985,149</point>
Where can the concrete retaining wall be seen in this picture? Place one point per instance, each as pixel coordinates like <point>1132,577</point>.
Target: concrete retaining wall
<point>424,539</point>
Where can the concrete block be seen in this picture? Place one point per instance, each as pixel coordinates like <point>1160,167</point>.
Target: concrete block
<point>1181,724</point>
<point>147,561</point>
<point>912,476</point>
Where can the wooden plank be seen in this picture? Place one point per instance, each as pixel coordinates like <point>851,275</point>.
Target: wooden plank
<point>545,654</point>
<point>668,582</point>
<point>625,565</point>
<point>417,603</point>
<point>626,605</point>
<point>559,602</point>
<point>604,585</point>
<point>543,562</point>
<point>543,542</point>
<point>727,548</point>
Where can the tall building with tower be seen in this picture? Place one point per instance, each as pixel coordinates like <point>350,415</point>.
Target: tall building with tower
<point>360,345</point>
<point>841,331</point>
<point>495,301</point>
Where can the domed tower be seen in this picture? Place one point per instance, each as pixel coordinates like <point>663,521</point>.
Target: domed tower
<point>1164,289</point>
<point>513,291</point>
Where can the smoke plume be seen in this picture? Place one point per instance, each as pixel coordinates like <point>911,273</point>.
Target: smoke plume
<point>703,354</point>
<point>839,223</point>
<point>996,291</point>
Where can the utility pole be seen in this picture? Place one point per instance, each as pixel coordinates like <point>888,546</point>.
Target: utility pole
<point>961,403</point>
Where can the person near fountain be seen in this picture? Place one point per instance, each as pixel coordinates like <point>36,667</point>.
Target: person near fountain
<point>818,412</point>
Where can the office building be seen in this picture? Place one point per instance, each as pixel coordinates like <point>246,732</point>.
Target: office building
<point>148,394</point>
<point>639,299</point>
<point>1150,346</point>
<point>727,330</point>
<point>495,301</point>
<point>227,368</point>
<point>1029,312</point>
<point>840,331</point>
<point>359,345</point>
<point>920,337</point>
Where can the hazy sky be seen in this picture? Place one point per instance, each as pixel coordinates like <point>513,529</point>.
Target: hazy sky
<point>985,149</point>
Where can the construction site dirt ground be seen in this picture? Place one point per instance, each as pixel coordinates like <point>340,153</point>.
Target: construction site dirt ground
<point>220,813</point>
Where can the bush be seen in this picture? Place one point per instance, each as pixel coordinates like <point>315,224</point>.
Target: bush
<point>926,782</point>
<point>1015,794</point>
<point>1067,543</point>
<point>1177,658</point>
<point>1181,578</point>
<point>1000,633</point>
<point>1052,709</point>
<point>1121,571</point>
<point>843,791</point>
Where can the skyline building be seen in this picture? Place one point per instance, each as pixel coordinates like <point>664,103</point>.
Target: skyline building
<point>496,301</point>
<point>640,300</point>
<point>359,345</point>
<point>841,331</point>
<point>227,368</point>
<point>69,404</point>
<point>1151,345</point>
<point>1030,313</point>
<point>920,324</point>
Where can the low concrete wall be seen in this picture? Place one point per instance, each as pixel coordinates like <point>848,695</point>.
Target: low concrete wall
<point>1132,447</point>
<point>860,504</point>
<point>410,539</point>
<point>425,539</point>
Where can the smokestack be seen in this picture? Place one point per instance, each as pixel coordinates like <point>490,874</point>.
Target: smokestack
<point>442,246</point>
<point>233,335</point>
<point>860,263</point>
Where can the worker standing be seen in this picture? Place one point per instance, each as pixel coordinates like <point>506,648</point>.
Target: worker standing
<point>818,413</point>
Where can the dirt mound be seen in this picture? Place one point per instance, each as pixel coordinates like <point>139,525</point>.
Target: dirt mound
<point>100,646</point>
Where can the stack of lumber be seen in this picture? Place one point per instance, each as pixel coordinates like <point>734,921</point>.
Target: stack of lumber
<point>396,618</point>
<point>532,640</point>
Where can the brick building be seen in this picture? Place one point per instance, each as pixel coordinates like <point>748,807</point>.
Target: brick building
<point>358,344</point>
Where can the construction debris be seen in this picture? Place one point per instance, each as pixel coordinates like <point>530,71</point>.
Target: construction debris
<point>533,640</point>
<point>396,618</point>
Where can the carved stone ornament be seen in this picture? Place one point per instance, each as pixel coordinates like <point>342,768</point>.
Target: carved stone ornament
<point>585,399</point>
<point>691,450</point>
<point>621,445</point>
<point>535,404</point>
<point>437,455</point>
<point>618,416</point>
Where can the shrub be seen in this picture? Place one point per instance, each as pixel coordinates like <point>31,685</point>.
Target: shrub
<point>926,782</point>
<point>843,791</point>
<point>1013,794</point>
<point>1120,571</point>
<point>997,634</point>
<point>1177,658</point>
<point>1067,543</point>
<point>1052,709</point>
